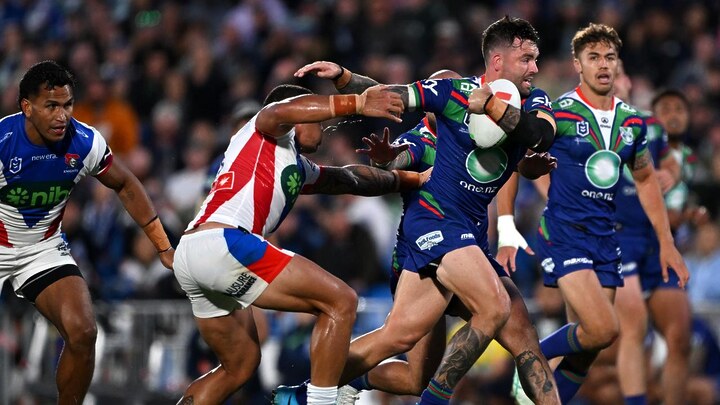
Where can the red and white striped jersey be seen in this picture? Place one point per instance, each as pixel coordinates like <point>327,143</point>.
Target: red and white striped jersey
<point>258,182</point>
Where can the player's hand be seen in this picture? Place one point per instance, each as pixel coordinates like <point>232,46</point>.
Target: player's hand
<point>509,240</point>
<point>425,176</point>
<point>381,151</point>
<point>698,215</point>
<point>321,69</point>
<point>670,258</point>
<point>167,258</point>
<point>665,179</point>
<point>537,164</point>
<point>478,98</point>
<point>378,101</point>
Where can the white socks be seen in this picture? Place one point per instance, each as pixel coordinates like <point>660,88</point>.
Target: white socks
<point>321,395</point>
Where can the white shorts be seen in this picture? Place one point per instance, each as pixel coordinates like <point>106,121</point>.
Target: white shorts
<point>226,269</point>
<point>19,264</point>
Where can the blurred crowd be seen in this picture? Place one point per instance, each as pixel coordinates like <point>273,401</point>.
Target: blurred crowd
<point>168,82</point>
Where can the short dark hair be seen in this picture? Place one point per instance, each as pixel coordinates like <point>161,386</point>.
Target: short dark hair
<point>46,73</point>
<point>284,91</point>
<point>593,34</point>
<point>670,93</point>
<point>503,33</point>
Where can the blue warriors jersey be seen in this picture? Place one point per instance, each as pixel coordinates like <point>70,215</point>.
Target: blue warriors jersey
<point>36,181</point>
<point>591,146</point>
<point>465,178</point>
<point>629,213</point>
<point>451,210</point>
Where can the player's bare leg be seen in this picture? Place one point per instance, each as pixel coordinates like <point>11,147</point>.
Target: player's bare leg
<point>305,287</point>
<point>470,276</point>
<point>412,376</point>
<point>633,316</point>
<point>66,304</point>
<point>404,327</point>
<point>671,315</point>
<point>520,338</point>
<point>224,335</point>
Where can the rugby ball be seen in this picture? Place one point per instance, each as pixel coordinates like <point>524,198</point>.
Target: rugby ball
<point>484,132</point>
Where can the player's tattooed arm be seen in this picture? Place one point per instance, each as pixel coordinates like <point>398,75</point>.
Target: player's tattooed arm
<point>353,179</point>
<point>642,161</point>
<point>357,84</point>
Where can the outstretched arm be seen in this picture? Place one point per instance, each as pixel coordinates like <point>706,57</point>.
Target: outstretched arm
<point>277,119</point>
<point>364,180</point>
<point>345,81</point>
<point>138,205</point>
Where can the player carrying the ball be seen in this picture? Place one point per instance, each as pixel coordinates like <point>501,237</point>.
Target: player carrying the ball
<point>445,227</point>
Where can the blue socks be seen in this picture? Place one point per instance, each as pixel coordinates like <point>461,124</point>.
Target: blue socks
<point>436,394</point>
<point>562,342</point>
<point>568,381</point>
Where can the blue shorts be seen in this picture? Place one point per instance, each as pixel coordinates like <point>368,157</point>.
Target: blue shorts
<point>427,238</point>
<point>564,248</point>
<point>641,256</point>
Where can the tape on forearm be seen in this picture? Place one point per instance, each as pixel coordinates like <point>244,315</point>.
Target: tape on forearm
<point>495,108</point>
<point>345,104</point>
<point>154,230</point>
<point>407,180</point>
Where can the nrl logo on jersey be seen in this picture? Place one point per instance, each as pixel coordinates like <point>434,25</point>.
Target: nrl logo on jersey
<point>627,135</point>
<point>15,165</point>
<point>582,128</point>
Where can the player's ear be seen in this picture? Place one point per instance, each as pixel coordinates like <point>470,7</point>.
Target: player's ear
<point>578,66</point>
<point>25,106</point>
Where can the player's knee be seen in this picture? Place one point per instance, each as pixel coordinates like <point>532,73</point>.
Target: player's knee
<point>604,335</point>
<point>678,342</point>
<point>402,342</point>
<point>82,337</point>
<point>345,304</point>
<point>499,312</point>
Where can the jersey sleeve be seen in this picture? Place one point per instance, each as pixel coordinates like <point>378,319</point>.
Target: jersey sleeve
<point>538,100</point>
<point>311,169</point>
<point>100,157</point>
<point>433,95</point>
<point>641,142</point>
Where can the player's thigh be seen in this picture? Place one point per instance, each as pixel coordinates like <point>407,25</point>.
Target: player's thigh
<point>418,305</point>
<point>671,314</point>
<point>233,338</point>
<point>467,273</point>
<point>630,306</point>
<point>303,286</point>
<point>587,299</point>
<point>67,304</point>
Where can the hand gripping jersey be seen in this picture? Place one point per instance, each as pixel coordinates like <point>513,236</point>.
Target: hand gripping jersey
<point>37,180</point>
<point>591,146</point>
<point>629,213</point>
<point>465,178</point>
<point>258,183</point>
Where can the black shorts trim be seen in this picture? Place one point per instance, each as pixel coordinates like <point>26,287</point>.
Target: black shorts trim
<point>39,282</point>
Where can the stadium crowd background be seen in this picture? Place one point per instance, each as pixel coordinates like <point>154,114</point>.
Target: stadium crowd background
<point>166,82</point>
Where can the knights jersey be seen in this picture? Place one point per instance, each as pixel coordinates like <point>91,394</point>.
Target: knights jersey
<point>466,178</point>
<point>591,146</point>
<point>629,213</point>
<point>36,180</point>
<point>259,180</point>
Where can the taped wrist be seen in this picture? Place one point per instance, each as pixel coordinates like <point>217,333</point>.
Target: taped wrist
<point>346,104</point>
<point>154,230</point>
<point>495,108</point>
<point>342,79</point>
<point>533,132</point>
<point>405,180</point>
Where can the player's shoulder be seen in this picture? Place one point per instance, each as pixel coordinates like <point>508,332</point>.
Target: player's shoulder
<point>625,108</point>
<point>566,101</point>
<point>11,122</point>
<point>538,99</point>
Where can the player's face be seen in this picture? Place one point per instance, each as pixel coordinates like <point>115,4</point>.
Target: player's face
<point>519,64</point>
<point>673,115</point>
<point>308,137</point>
<point>48,114</point>
<point>597,65</point>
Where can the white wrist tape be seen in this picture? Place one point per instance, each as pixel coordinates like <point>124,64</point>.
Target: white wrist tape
<point>508,235</point>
